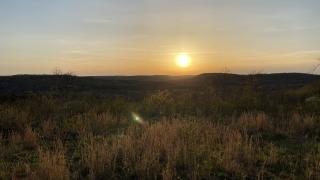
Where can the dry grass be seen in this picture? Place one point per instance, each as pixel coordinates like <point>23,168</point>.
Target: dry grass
<point>30,139</point>
<point>13,119</point>
<point>48,130</point>
<point>168,149</point>
<point>53,164</point>
<point>184,136</point>
<point>96,157</point>
<point>253,122</point>
<point>294,124</point>
<point>179,148</point>
<point>97,124</point>
<point>299,124</point>
<point>313,164</point>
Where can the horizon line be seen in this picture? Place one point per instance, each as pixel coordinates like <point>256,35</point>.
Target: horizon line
<point>150,75</point>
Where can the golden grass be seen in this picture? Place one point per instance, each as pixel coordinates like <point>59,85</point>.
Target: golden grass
<point>178,148</point>
<point>30,139</point>
<point>253,122</point>
<point>53,164</point>
<point>168,149</point>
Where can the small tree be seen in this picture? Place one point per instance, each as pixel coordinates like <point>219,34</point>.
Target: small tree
<point>57,71</point>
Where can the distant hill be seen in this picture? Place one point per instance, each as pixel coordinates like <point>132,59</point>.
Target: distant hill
<point>128,85</point>
<point>144,78</point>
<point>268,81</point>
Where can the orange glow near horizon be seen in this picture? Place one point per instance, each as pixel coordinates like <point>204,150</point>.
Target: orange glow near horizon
<point>158,37</point>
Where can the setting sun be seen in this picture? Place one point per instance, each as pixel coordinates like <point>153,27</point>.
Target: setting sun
<point>183,60</point>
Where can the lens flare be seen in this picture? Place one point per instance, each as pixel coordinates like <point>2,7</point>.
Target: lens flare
<point>136,118</point>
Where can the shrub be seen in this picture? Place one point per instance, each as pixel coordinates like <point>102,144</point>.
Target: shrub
<point>13,119</point>
<point>159,103</point>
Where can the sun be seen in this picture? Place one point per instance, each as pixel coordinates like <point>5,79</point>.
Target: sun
<point>183,60</point>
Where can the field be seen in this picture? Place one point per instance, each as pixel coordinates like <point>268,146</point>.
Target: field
<point>211,126</point>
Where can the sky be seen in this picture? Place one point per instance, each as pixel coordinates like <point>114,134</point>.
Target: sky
<point>143,37</point>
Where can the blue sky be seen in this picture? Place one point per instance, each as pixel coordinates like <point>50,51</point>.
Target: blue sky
<point>108,37</point>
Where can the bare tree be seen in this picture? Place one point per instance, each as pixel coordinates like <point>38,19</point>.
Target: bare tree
<point>226,70</point>
<point>57,71</point>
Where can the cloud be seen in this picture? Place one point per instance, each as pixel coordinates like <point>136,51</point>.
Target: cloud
<point>303,53</point>
<point>274,29</point>
<point>98,21</point>
<point>289,28</point>
<point>301,58</point>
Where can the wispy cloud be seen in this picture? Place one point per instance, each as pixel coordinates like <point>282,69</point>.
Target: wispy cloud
<point>303,53</point>
<point>289,28</point>
<point>274,29</point>
<point>301,58</point>
<point>98,21</point>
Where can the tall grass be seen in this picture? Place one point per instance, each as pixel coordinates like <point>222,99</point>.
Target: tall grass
<point>53,164</point>
<point>65,140</point>
<point>169,149</point>
<point>196,149</point>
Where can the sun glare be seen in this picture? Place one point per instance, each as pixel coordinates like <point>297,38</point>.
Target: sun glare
<point>183,60</point>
